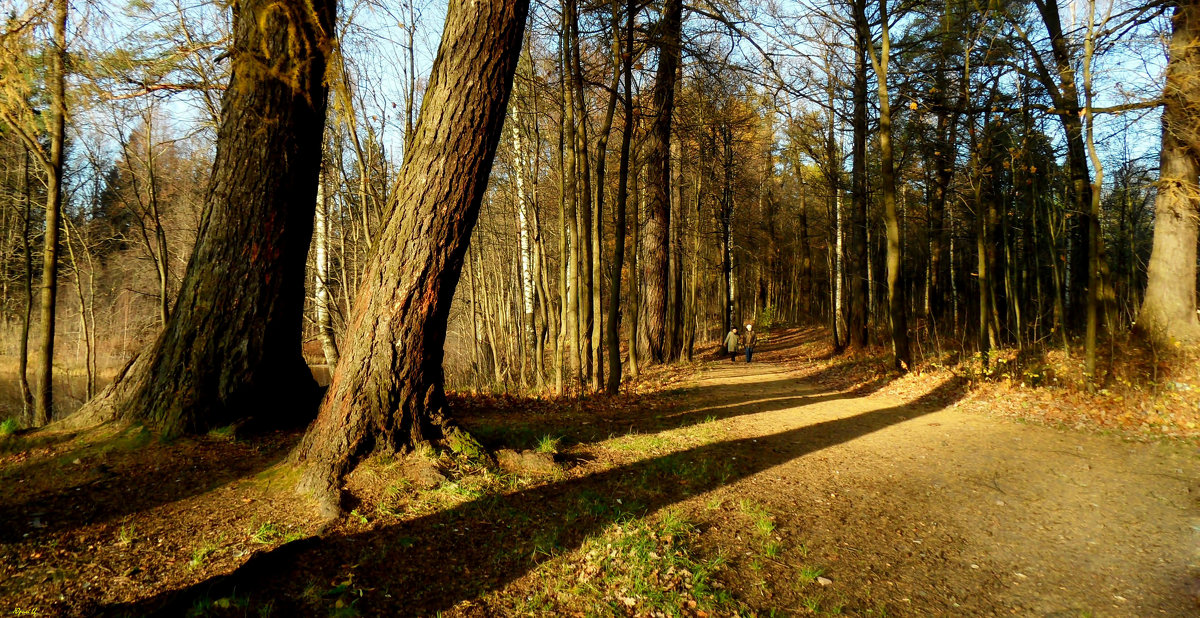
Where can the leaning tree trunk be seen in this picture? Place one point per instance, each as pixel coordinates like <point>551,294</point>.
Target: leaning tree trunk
<point>658,175</point>
<point>387,391</point>
<point>231,347</point>
<point>1169,310</point>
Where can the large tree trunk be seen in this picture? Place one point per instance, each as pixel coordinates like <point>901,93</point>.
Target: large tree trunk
<point>1169,310</point>
<point>658,178</point>
<point>387,392</point>
<point>43,403</point>
<point>231,347</point>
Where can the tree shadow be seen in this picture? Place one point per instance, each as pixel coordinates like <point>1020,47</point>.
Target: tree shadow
<point>127,472</point>
<point>431,563</point>
<point>521,423</point>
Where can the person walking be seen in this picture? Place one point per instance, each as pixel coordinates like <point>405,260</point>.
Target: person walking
<point>748,341</point>
<point>731,342</point>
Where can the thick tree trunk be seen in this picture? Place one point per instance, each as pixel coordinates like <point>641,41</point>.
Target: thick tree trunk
<point>388,393</point>
<point>231,347</point>
<point>658,179</point>
<point>1168,313</point>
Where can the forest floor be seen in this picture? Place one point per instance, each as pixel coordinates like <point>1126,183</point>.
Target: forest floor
<point>798,484</point>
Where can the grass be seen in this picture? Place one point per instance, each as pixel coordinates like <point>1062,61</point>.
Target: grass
<point>764,524</point>
<point>809,574</point>
<point>548,444</point>
<point>8,427</point>
<point>202,554</point>
<point>635,566</point>
<point>267,533</point>
<point>228,433</point>
<point>127,534</point>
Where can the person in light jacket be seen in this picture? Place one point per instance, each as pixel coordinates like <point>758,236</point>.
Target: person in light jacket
<point>748,341</point>
<point>731,343</point>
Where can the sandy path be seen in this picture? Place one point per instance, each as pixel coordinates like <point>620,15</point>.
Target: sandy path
<point>934,508</point>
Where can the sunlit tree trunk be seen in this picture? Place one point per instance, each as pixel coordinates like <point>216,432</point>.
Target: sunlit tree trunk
<point>1168,312</point>
<point>321,278</point>
<point>388,392</point>
<point>658,179</point>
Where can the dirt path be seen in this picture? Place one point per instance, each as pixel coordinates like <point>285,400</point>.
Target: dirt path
<point>763,489</point>
<point>930,508</point>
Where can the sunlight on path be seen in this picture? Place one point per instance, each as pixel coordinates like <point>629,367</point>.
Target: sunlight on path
<point>962,511</point>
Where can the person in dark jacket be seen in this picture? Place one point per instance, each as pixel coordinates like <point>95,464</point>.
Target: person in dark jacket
<point>748,341</point>
<point>731,343</point>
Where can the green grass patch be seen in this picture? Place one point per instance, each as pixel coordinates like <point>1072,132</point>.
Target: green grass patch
<point>548,444</point>
<point>636,566</point>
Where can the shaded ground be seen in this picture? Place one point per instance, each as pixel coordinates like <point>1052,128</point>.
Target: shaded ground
<point>788,487</point>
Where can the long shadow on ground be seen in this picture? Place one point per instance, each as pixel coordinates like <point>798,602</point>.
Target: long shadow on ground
<point>429,564</point>
<point>129,472</point>
<point>775,388</point>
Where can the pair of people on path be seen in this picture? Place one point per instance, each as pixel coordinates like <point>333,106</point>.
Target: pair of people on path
<point>748,340</point>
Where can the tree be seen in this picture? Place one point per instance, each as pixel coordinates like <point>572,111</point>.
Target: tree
<point>231,347</point>
<point>1169,310</point>
<point>658,180</point>
<point>895,281</point>
<point>623,52</point>
<point>16,113</point>
<point>388,391</point>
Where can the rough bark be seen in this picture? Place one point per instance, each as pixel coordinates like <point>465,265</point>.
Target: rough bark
<point>387,393</point>
<point>658,178</point>
<point>1168,313</point>
<point>231,347</point>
